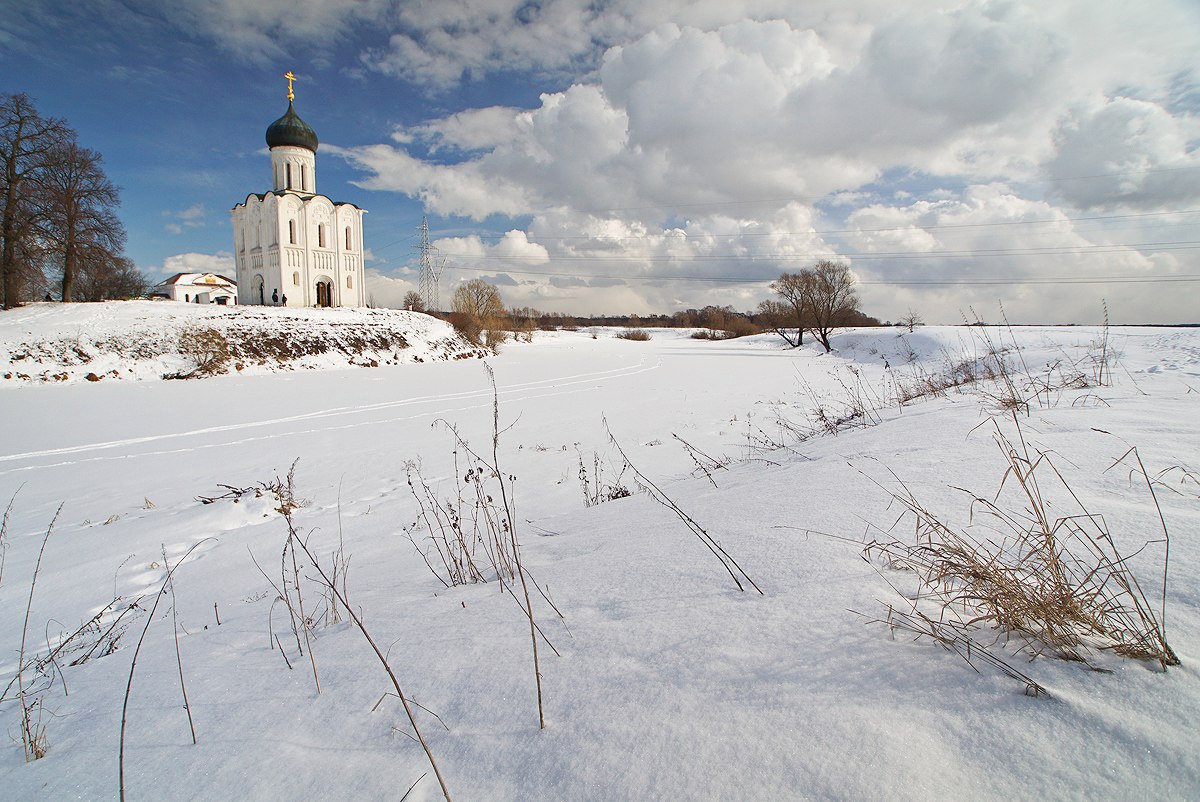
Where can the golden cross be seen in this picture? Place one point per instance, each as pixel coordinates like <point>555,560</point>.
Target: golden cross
<point>290,78</point>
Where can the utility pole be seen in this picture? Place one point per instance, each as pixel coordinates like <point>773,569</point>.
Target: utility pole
<point>431,270</point>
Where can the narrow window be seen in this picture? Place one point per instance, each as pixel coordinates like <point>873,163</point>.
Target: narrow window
<point>187,298</point>
<point>289,176</point>
<point>321,236</point>
<point>349,282</point>
<point>303,178</point>
<point>296,279</point>
<point>349,247</point>
<point>292,231</point>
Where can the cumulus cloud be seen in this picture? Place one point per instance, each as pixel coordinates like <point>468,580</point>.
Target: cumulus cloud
<point>733,141</point>
<point>990,247</point>
<point>220,263</point>
<point>387,291</point>
<point>1126,152</point>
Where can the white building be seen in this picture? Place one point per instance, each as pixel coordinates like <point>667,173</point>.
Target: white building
<point>292,246</point>
<point>197,288</point>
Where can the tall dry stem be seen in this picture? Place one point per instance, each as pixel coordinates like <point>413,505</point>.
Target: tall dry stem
<point>33,734</point>
<point>133,663</point>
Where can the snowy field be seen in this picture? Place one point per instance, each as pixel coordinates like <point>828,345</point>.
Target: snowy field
<point>669,682</point>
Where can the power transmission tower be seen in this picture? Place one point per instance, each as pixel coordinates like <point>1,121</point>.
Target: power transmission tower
<point>431,270</point>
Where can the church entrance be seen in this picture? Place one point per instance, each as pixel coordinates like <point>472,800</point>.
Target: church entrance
<point>324,293</point>
<point>262,297</point>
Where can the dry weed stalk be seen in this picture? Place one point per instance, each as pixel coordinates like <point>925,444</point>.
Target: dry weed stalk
<point>178,655</point>
<point>952,637</point>
<point>705,464</point>
<point>727,562</point>
<point>4,532</point>
<point>33,733</point>
<point>473,533</point>
<point>286,507</point>
<point>284,493</point>
<point>595,489</point>
<point>504,528</point>
<point>133,664</point>
<point>1057,581</point>
<point>468,531</point>
<point>105,643</point>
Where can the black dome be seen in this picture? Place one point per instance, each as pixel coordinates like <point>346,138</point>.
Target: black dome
<point>290,130</point>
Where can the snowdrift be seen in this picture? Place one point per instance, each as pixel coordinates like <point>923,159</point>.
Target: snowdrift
<point>56,343</point>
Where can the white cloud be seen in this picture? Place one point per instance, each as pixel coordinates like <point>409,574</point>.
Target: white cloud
<point>387,291</point>
<point>700,143</point>
<point>191,217</point>
<point>221,263</point>
<point>266,30</point>
<point>1127,152</point>
<point>991,246</point>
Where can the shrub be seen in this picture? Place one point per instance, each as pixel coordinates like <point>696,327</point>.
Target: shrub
<point>208,348</point>
<point>468,326</point>
<point>494,336</point>
<point>639,335</point>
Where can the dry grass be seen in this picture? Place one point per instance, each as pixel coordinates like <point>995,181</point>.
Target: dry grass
<point>1058,584</point>
<point>596,488</point>
<point>465,530</point>
<point>477,522</point>
<point>637,335</point>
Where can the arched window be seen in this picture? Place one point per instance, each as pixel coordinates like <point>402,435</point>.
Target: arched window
<point>303,178</point>
<point>320,235</point>
<point>296,279</point>
<point>289,175</point>
<point>349,246</point>
<point>187,298</point>
<point>292,231</point>
<point>349,282</point>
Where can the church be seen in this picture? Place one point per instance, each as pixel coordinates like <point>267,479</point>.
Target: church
<point>294,247</point>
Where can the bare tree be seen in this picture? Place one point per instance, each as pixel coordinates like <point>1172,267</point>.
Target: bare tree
<point>912,319</point>
<point>105,277</point>
<point>779,317</point>
<point>833,301</point>
<point>27,141</point>
<point>79,212</point>
<point>796,291</point>
<point>413,301</point>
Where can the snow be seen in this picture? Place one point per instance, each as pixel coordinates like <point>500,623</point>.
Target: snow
<point>671,683</point>
<point>53,343</point>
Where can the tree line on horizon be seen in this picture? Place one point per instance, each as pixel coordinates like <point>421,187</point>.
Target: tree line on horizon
<point>59,230</point>
<point>815,299</point>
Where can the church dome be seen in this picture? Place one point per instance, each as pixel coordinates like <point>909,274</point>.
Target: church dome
<point>290,130</point>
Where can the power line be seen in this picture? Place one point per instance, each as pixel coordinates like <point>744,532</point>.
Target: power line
<point>668,233</point>
<point>1181,278</point>
<point>1052,250</point>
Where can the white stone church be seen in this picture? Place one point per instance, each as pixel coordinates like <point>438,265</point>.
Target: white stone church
<point>294,247</point>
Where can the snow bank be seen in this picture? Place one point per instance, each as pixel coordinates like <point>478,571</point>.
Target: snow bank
<point>65,343</point>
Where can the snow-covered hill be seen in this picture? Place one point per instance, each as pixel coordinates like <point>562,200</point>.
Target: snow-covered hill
<point>59,343</point>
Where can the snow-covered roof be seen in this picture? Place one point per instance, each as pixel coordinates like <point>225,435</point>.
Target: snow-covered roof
<point>211,279</point>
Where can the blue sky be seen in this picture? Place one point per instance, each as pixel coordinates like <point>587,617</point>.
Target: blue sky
<point>634,157</point>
